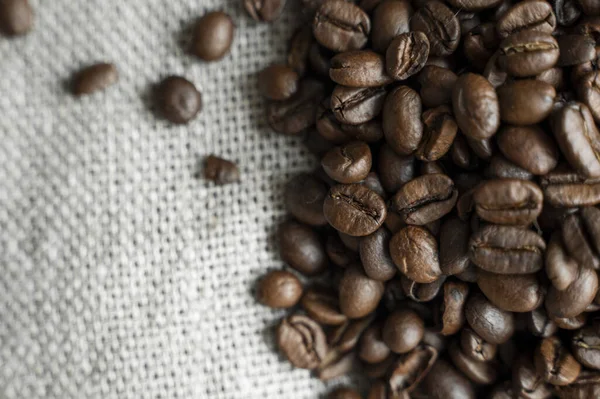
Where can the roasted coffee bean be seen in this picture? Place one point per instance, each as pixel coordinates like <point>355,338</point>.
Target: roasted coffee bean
<point>349,163</point>
<point>484,149</point>
<point>484,373</point>
<point>362,68</point>
<point>491,323</point>
<point>406,55</point>
<point>354,106</point>
<point>554,362</point>
<point>425,199</point>
<point>371,347</point>
<point>586,345</point>
<point>264,10</point>
<point>410,369</point>
<point>474,5</point>
<point>375,255</point>
<point>581,236</point>
<point>391,18</point>
<point>302,341</point>
<point>279,289</point>
<point>403,330</point>
<point>213,36</point>
<point>461,154</point>
<point>533,15</point>
<point>473,346</point>
<point>220,171</point>
<point>454,246</point>
<point>341,26</point>
<point>587,385</point>
<point>567,11</point>
<point>415,252</point>
<point>322,305</point>
<point>278,82</point>
<point>402,125</point>
<point>570,323</point>
<point>512,292</point>
<point>297,113</point>
<point>355,210</point>
<point>304,198</point>
<point>436,85</point>
<point>527,382</point>
<point>299,48</point>
<point>493,72</point>
<point>528,147</point>
<point>370,132</point>
<point>451,314</point>
<point>344,393</point>
<point>440,25</point>
<point>525,102</point>
<point>301,248</point>
<point>573,300</point>
<point>16,17</point>
<point>178,100</point>
<point>539,324</point>
<point>588,92</point>
<point>440,129</point>
<point>528,53</point>
<point>507,250</point>
<point>359,295</point>
<point>394,170</point>
<point>95,78</point>
<point>565,188</point>
<point>344,337</point>
<point>476,106</point>
<point>327,124</point>
<point>445,382</point>
<point>508,201</point>
<point>479,44</point>
<point>421,292</point>
<point>561,269</point>
<point>575,49</point>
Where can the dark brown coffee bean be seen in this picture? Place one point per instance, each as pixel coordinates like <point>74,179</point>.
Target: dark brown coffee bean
<point>220,171</point>
<point>279,289</point>
<point>573,300</point>
<point>304,198</point>
<point>278,82</point>
<point>403,330</point>
<point>359,295</point>
<point>421,292</point>
<point>402,125</point>
<point>344,393</point>
<point>533,15</point>
<point>507,250</point>
<point>264,10</point>
<point>575,49</point>
<point>451,314</point>
<point>485,373</point>
<point>565,188</point>
<point>440,129</point>
<point>561,269</point>
<point>391,18</point>
<point>297,113</point>
<point>213,36</point>
<point>410,369</point>
<point>16,17</point>
<point>570,323</point>
<point>474,347</point>
<point>95,78</point>
<point>394,170</point>
<point>425,199</point>
<point>364,68</point>
<point>322,305</point>
<point>539,324</point>
<point>528,147</point>
<point>178,100</point>
<point>527,382</point>
<point>508,201</point>
<point>436,85</point>
<point>354,209</point>
<point>587,385</point>
<point>341,26</point>
<point>445,382</point>
<point>415,252</point>
<point>371,347</point>
<point>301,248</point>
<point>525,102</point>
<point>494,72</point>
<point>349,163</point>
<point>581,236</point>
<point>454,246</point>
<point>476,106</point>
<point>588,92</point>
<point>512,292</point>
<point>567,11</point>
<point>299,48</point>
<point>554,362</point>
<point>528,53</point>
<point>302,341</point>
<point>406,55</point>
<point>354,106</point>
<point>491,323</point>
<point>375,255</point>
<point>586,345</point>
<point>440,25</point>
<point>501,168</point>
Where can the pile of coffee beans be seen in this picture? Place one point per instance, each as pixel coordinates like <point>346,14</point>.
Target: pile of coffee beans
<point>449,244</point>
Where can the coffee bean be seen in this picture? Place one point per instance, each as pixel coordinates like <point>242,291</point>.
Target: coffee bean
<point>567,11</point>
<point>370,132</point>
<point>454,246</point>
<point>440,129</point>
<point>402,125</point>
<point>264,10</point>
<point>178,100</point>
<point>341,26</point>
<point>363,68</point>
<point>391,18</point>
<point>297,113</point>
<point>394,170</point>
<point>16,17</point>
<point>484,149</point>
<point>301,248</point>
<point>500,167</point>
<point>279,289</point>
<point>554,362</point>
<point>359,295</point>
<point>554,77</point>
<point>570,323</point>
<point>406,55</point>
<point>491,323</point>
<point>327,124</point>
<point>581,236</point>
<point>213,36</point>
<point>479,44</point>
<point>304,198</point>
<point>341,364</point>
<point>220,171</point>
<point>588,92</point>
<point>322,305</point>
<point>561,269</point>
<point>421,292</point>
<point>354,209</point>
<point>354,106</point>
<point>507,250</point>
<point>436,85</point>
<point>508,201</point>
<point>302,341</point>
<point>539,324</point>
<point>299,49</point>
<point>587,385</point>
<point>528,147</point>
<point>586,346</point>
<point>349,163</point>
<point>474,347</point>
<point>527,382</point>
<point>476,106</point>
<point>525,102</point>
<point>565,188</point>
<point>408,371</point>
<point>485,373</point>
<point>445,382</point>
<point>451,314</point>
<point>461,154</point>
<point>375,255</point>
<point>573,300</point>
<point>278,82</point>
<point>95,78</point>
<point>512,292</point>
<point>371,347</point>
<point>415,252</point>
<point>575,49</point>
<point>440,25</point>
<point>344,393</point>
<point>403,330</point>
<point>474,5</point>
<point>528,53</point>
<point>534,15</point>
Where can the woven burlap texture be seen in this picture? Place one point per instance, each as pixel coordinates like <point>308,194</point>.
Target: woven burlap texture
<point>122,276</point>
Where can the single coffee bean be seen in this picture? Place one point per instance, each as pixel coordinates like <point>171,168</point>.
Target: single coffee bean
<point>527,382</point>
<point>476,106</point>
<point>402,125</point>
<point>440,129</point>
<point>561,269</point>
<point>554,362</point>
<point>371,348</point>
<point>485,373</point>
<point>491,323</point>
<point>473,346</point>
<point>364,68</point>
<point>344,393</point>
<point>299,48</point>
<point>408,371</point>
<point>415,252</point>
<point>279,289</point>
<point>95,78</point>
<point>436,85</point>
<point>301,248</point>
<point>525,102</point>
<point>567,11</point>
<point>421,292</point>
<point>278,82</point>
<point>375,255</point>
<point>178,100</point>
<point>507,250</point>
<point>581,236</point>
<point>512,292</point>
<point>570,323</point>
<point>586,345</point>
<point>302,341</point>
<point>354,106</point>
<point>539,324</point>
<point>573,300</point>
<point>359,295</point>
<point>349,163</point>
<point>528,147</point>
<point>264,10</point>
<point>304,198</point>
<point>355,210</point>
<point>528,53</point>
<point>213,36</point>
<point>565,188</point>
<point>322,305</point>
<point>406,55</point>
<point>508,201</point>
<point>534,15</point>
<point>474,5</point>
<point>425,199</point>
<point>578,138</point>
<point>341,26</point>
<point>403,330</point>
<point>588,92</point>
<point>391,18</point>
<point>16,17</point>
<point>445,382</point>
<point>440,24</point>
<point>454,246</point>
<point>220,171</point>
<point>297,113</point>
<point>575,49</point>
<point>394,170</point>
<point>587,385</point>
<point>451,314</point>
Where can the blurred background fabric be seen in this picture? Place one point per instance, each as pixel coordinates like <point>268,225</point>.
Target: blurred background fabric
<point>123,276</point>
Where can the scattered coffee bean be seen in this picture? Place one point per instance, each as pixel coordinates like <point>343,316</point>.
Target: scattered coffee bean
<point>476,106</point>
<point>355,106</point>
<point>440,25</point>
<point>512,292</point>
<point>415,252</point>
<point>220,171</point>
<point>402,125</point>
<point>322,305</point>
<point>403,330</point>
<point>508,201</point>
<point>302,341</point>
<point>371,348</point>
<point>534,15</point>
<point>484,373</point>
<point>410,369</point>
<point>301,248</point>
<point>406,55</point>
<point>375,255</point>
<point>278,82</point>
<point>554,362</point>
<point>279,289</point>
<point>452,314</point>
<point>178,100</point>
<point>213,36</point>
<point>16,17</point>
<point>392,18</point>
<point>525,102</point>
<point>528,53</point>
<point>573,300</point>
<point>349,163</point>
<point>359,69</point>
<point>341,26</point>
<point>359,295</point>
<point>529,148</point>
<point>95,78</point>
<point>296,114</point>
<point>491,323</point>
